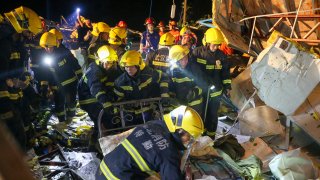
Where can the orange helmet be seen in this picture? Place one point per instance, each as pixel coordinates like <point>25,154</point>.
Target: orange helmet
<point>122,24</point>
<point>149,20</point>
<point>161,24</point>
<point>173,23</point>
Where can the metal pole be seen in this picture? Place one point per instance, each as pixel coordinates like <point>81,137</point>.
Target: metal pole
<point>184,12</point>
<point>207,102</point>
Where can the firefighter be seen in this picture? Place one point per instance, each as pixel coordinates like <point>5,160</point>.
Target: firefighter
<point>188,38</point>
<point>100,34</point>
<point>150,38</point>
<point>154,148</point>
<point>122,24</point>
<point>95,89</point>
<point>173,29</point>
<point>65,69</point>
<point>162,28</point>
<point>213,62</point>
<point>19,22</point>
<point>118,40</point>
<point>140,82</point>
<point>185,80</point>
<point>159,59</point>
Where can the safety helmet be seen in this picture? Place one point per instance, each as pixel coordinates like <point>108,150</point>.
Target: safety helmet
<point>132,58</point>
<point>161,24</point>
<point>184,118</point>
<point>117,35</point>
<point>184,30</point>
<point>1,18</point>
<point>213,36</point>
<point>167,39</point>
<point>82,19</point>
<point>177,52</point>
<point>122,24</point>
<point>58,33</point>
<point>48,39</point>
<point>149,20</point>
<point>23,18</point>
<point>172,23</point>
<point>107,54</point>
<point>100,27</point>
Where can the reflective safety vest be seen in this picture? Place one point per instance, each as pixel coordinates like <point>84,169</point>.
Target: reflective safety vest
<point>136,157</point>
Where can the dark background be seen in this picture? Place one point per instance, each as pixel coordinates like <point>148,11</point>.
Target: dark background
<point>134,12</point>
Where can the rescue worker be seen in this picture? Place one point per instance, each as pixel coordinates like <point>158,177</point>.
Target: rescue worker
<point>95,90</point>
<point>159,58</point>
<point>185,80</point>
<point>150,38</point>
<point>118,40</point>
<point>65,69</point>
<point>84,29</point>
<point>153,148</point>
<point>100,34</point>
<point>162,28</point>
<point>213,62</point>
<point>140,82</point>
<point>188,38</point>
<point>173,29</point>
<point>20,21</point>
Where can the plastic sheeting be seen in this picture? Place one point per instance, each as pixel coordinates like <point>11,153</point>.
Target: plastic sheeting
<point>285,75</point>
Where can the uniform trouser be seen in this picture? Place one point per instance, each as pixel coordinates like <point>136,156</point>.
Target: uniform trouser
<point>65,102</point>
<point>93,110</point>
<point>41,75</point>
<point>211,121</point>
<point>10,117</point>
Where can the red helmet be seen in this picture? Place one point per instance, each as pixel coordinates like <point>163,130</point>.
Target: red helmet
<point>149,20</point>
<point>122,24</point>
<point>161,24</point>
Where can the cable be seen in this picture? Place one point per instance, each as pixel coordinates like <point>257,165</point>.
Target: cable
<point>150,10</point>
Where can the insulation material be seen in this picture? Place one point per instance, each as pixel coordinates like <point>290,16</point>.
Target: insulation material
<point>285,76</point>
<point>109,143</point>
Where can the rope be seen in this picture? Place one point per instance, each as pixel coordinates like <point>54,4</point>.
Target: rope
<point>150,10</point>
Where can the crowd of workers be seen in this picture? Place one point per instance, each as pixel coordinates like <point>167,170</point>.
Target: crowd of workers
<point>174,69</point>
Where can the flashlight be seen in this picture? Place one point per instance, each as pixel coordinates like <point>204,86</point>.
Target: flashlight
<point>210,88</point>
<point>48,60</point>
<point>78,10</point>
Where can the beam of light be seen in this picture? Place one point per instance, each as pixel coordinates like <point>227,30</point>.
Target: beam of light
<point>78,10</point>
<point>48,60</point>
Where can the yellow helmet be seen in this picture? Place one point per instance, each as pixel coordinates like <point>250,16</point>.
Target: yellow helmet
<point>107,54</point>
<point>132,58</point>
<point>213,36</point>
<point>23,18</point>
<point>48,39</point>
<point>58,33</point>
<point>177,52</point>
<point>1,18</point>
<point>184,118</point>
<point>117,35</point>
<point>99,28</point>
<point>185,29</point>
<point>167,39</point>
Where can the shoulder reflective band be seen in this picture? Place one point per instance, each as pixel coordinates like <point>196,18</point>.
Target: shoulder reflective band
<point>137,157</point>
<point>106,171</point>
<point>201,61</point>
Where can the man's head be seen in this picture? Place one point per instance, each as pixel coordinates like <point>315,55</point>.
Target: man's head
<point>172,24</point>
<point>24,19</point>
<point>167,39</point>
<point>107,57</point>
<point>186,121</point>
<point>132,62</point>
<point>179,54</point>
<point>48,41</point>
<point>117,36</point>
<point>58,34</point>
<point>149,22</point>
<point>213,38</point>
<point>102,30</point>
<point>161,26</point>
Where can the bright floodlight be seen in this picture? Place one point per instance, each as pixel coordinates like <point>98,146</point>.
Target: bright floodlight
<point>48,60</point>
<point>212,87</point>
<point>78,10</point>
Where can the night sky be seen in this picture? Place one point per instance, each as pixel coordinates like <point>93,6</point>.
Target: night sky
<point>133,12</point>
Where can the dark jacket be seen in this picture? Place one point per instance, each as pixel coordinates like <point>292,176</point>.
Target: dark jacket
<point>155,146</point>
<point>147,83</point>
<point>159,59</point>
<point>215,66</point>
